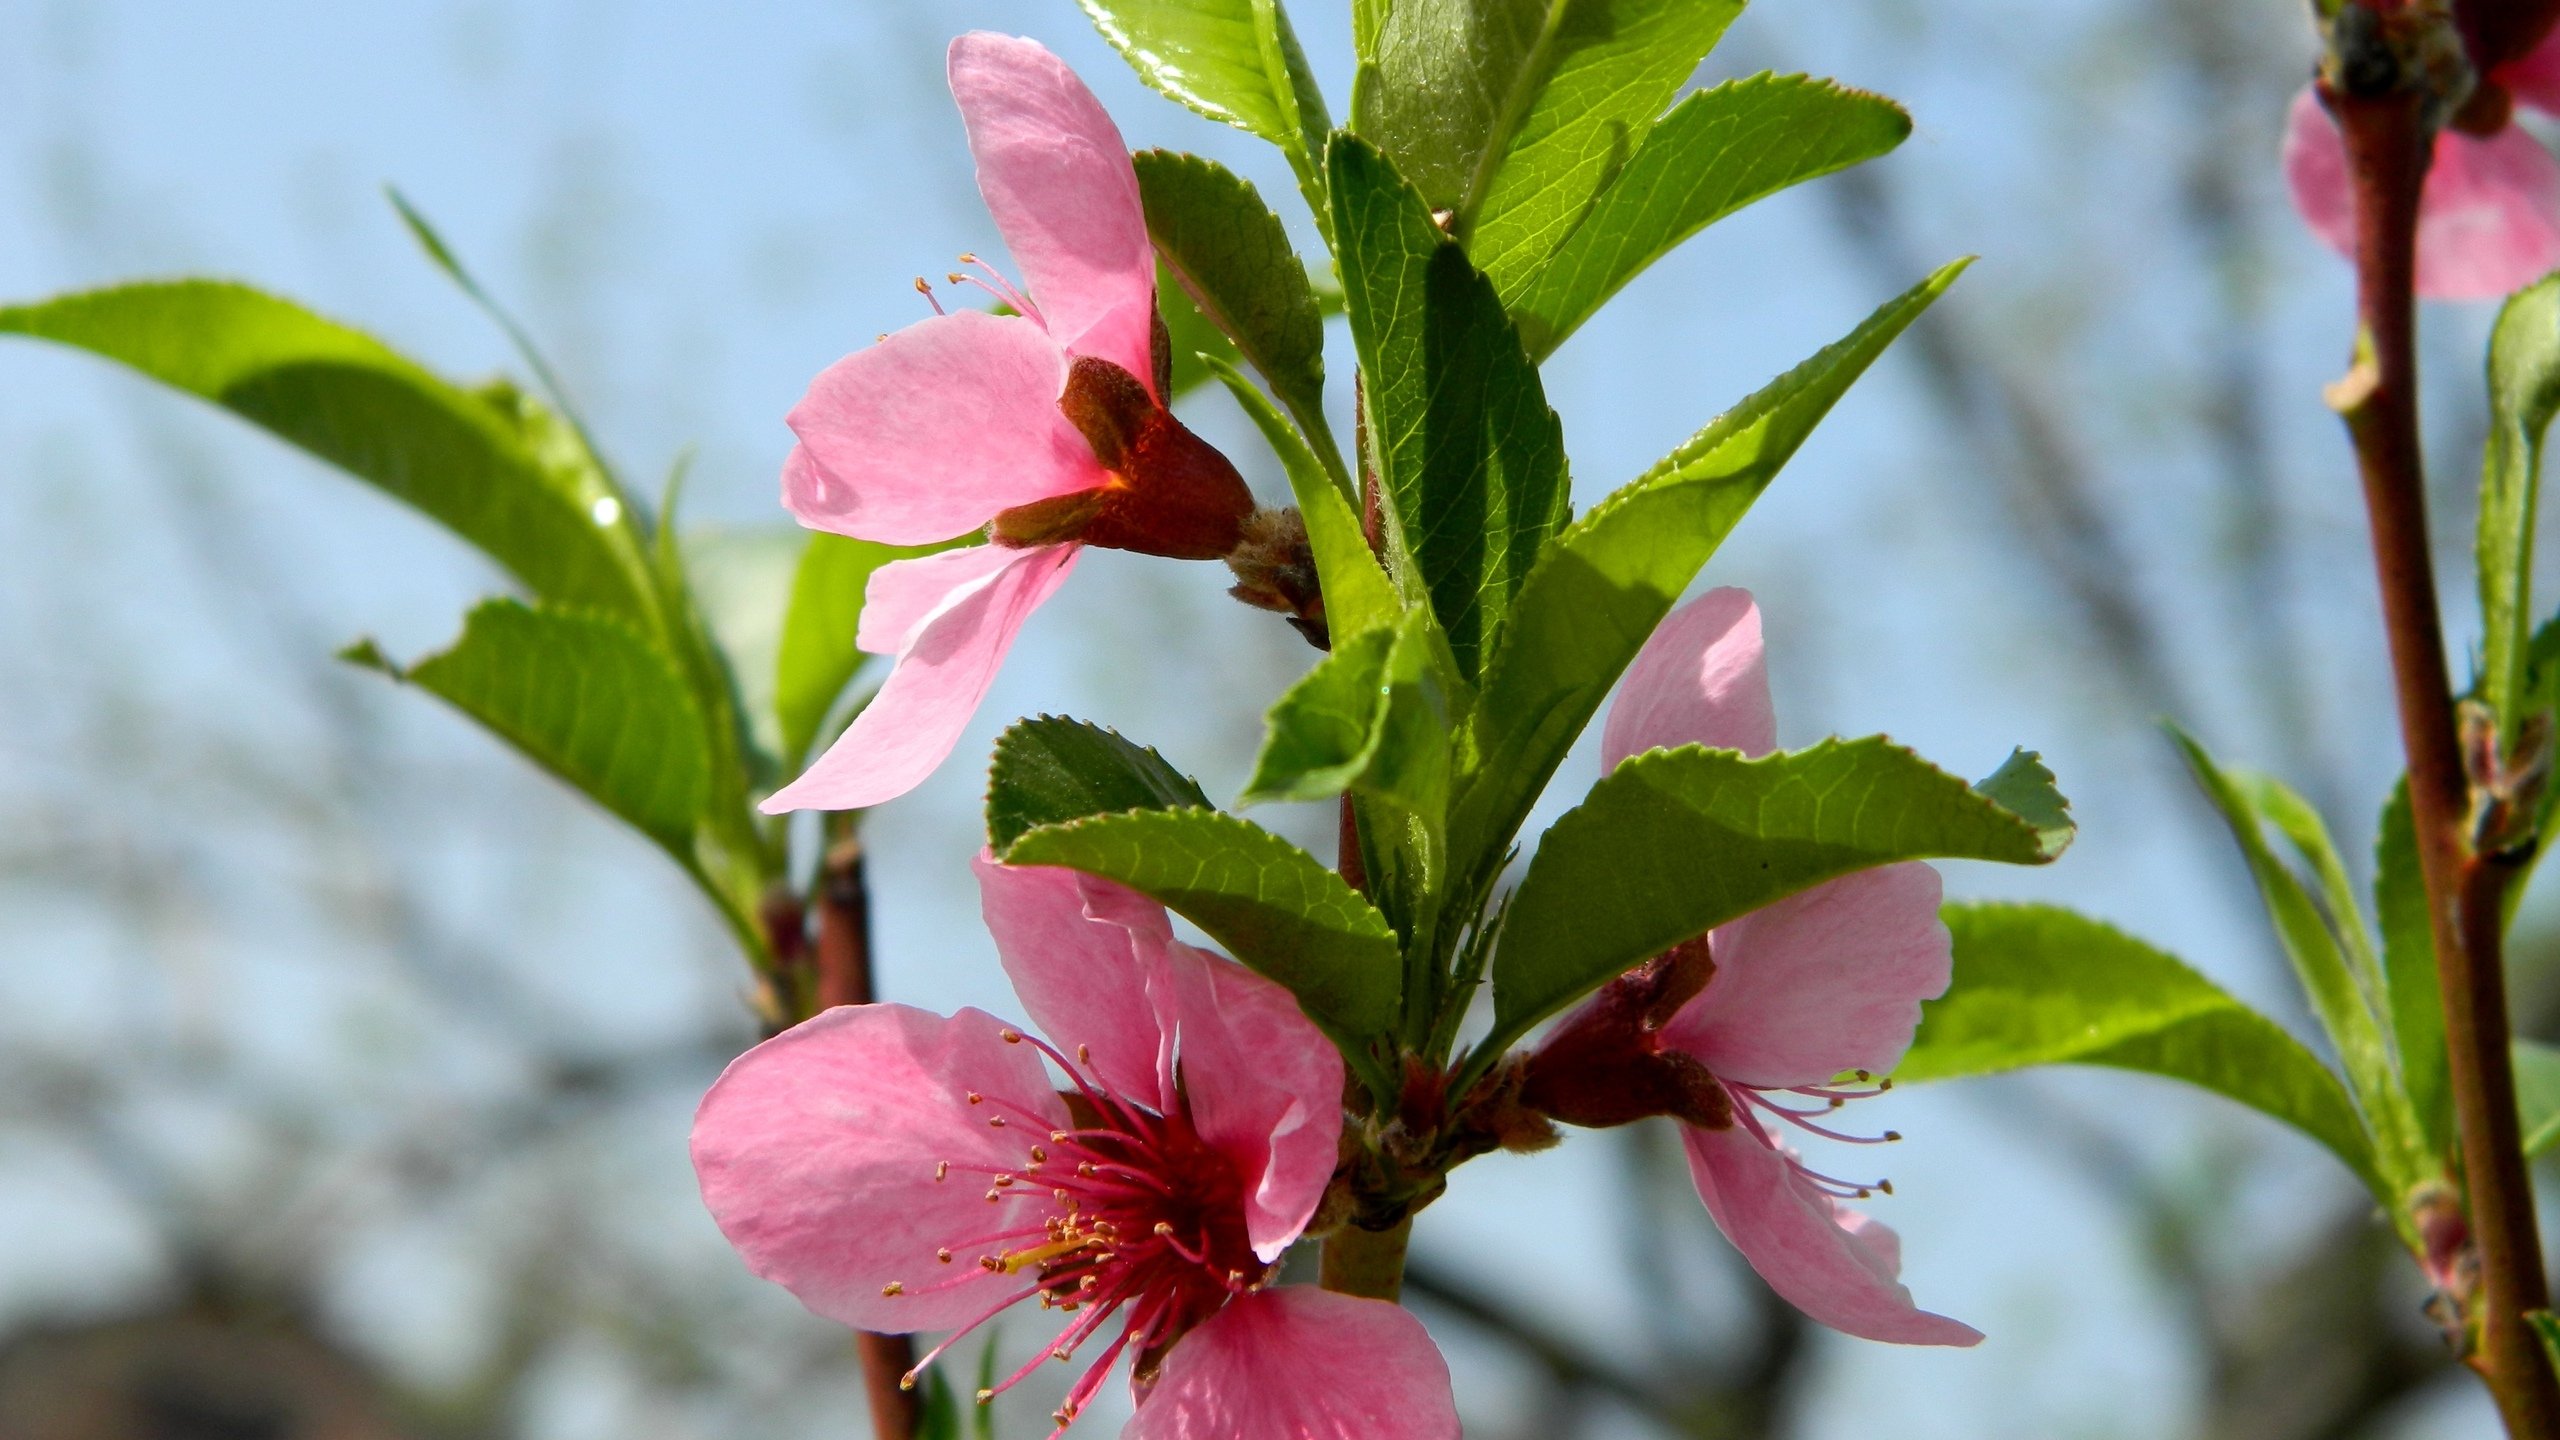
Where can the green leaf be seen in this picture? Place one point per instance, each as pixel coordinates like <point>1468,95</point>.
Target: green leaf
<point>2546,1328</point>
<point>1615,64</point>
<point>586,696</point>
<point>1614,573</point>
<point>1197,340</point>
<point>1470,460</point>
<point>2538,1093</point>
<point>1050,770</point>
<point>1235,61</point>
<point>2409,969</point>
<point>740,583</point>
<point>1673,843</point>
<point>816,657</point>
<point>1234,260</point>
<point>1468,89</point>
<point>1324,730</point>
<point>493,465</point>
<point>2039,985</point>
<point>1358,596</point>
<point>2524,393</point>
<point>2346,1002</point>
<point>1270,904</point>
<point>1716,152</point>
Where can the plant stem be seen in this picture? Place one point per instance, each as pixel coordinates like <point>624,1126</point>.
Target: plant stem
<point>844,978</point>
<point>2387,148</point>
<point>1358,1261</point>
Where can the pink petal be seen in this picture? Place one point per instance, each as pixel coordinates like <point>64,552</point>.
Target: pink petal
<point>1834,1265</point>
<point>1084,981</point>
<point>930,432</point>
<point>2490,222</point>
<point>2315,169</point>
<point>903,594</point>
<point>1298,1363</point>
<point>2490,219</point>
<point>817,1152</point>
<point>1057,177</point>
<point>1699,680</point>
<point>1826,980</point>
<point>1265,1088</point>
<point>946,661</point>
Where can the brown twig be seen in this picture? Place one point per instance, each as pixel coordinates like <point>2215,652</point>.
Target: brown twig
<point>2388,140</point>
<point>844,978</point>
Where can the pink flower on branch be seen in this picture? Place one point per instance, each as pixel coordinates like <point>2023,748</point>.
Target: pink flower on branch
<point>899,1171</point>
<point>1745,1034</point>
<point>1046,427</point>
<point>2489,218</point>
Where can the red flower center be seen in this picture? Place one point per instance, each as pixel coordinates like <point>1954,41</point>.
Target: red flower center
<point>1130,1214</point>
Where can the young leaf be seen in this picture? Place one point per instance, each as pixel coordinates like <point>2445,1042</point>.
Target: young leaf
<point>2524,394</point>
<point>2039,985</point>
<point>587,697</point>
<point>1233,259</point>
<point>1673,843</point>
<point>1614,65</point>
<point>739,580</point>
<point>2538,1093</point>
<point>2409,970</point>
<point>1234,61</point>
<point>816,657</point>
<point>1470,460</point>
<point>1050,770</point>
<point>2344,1000</point>
<point>1716,152</point>
<point>1468,89</point>
<point>1197,340</point>
<point>1268,902</point>
<point>492,466</point>
<point>1358,596</point>
<point>1614,573</point>
<point>1324,730</point>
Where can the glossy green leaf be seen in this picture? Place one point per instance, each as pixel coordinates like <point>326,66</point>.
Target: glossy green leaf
<point>491,465</point>
<point>1612,67</point>
<point>2347,1003</point>
<point>1673,843</point>
<point>815,657</point>
<point>586,696</point>
<point>1470,89</point>
<point>1234,260</point>
<point>2409,970</point>
<point>1470,460</point>
<point>2524,394</point>
<point>1614,573</point>
<point>1269,903</point>
<point>2039,985</point>
<point>1050,770</point>
<point>1196,339</point>
<point>1358,596</point>
<point>2538,1093</point>
<point>1324,730</point>
<point>1716,152</point>
<point>1235,61</point>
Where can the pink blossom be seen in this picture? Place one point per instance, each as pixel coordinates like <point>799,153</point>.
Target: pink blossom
<point>2489,218</point>
<point>1744,1035</point>
<point>898,1170</point>
<point>1045,427</point>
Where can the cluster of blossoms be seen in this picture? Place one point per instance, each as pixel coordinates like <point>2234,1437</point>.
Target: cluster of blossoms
<point>1143,1168</point>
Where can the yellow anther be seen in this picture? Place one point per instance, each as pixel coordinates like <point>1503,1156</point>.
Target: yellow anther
<point>893,1288</point>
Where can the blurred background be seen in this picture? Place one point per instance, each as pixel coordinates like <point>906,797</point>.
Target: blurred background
<point>346,1062</point>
